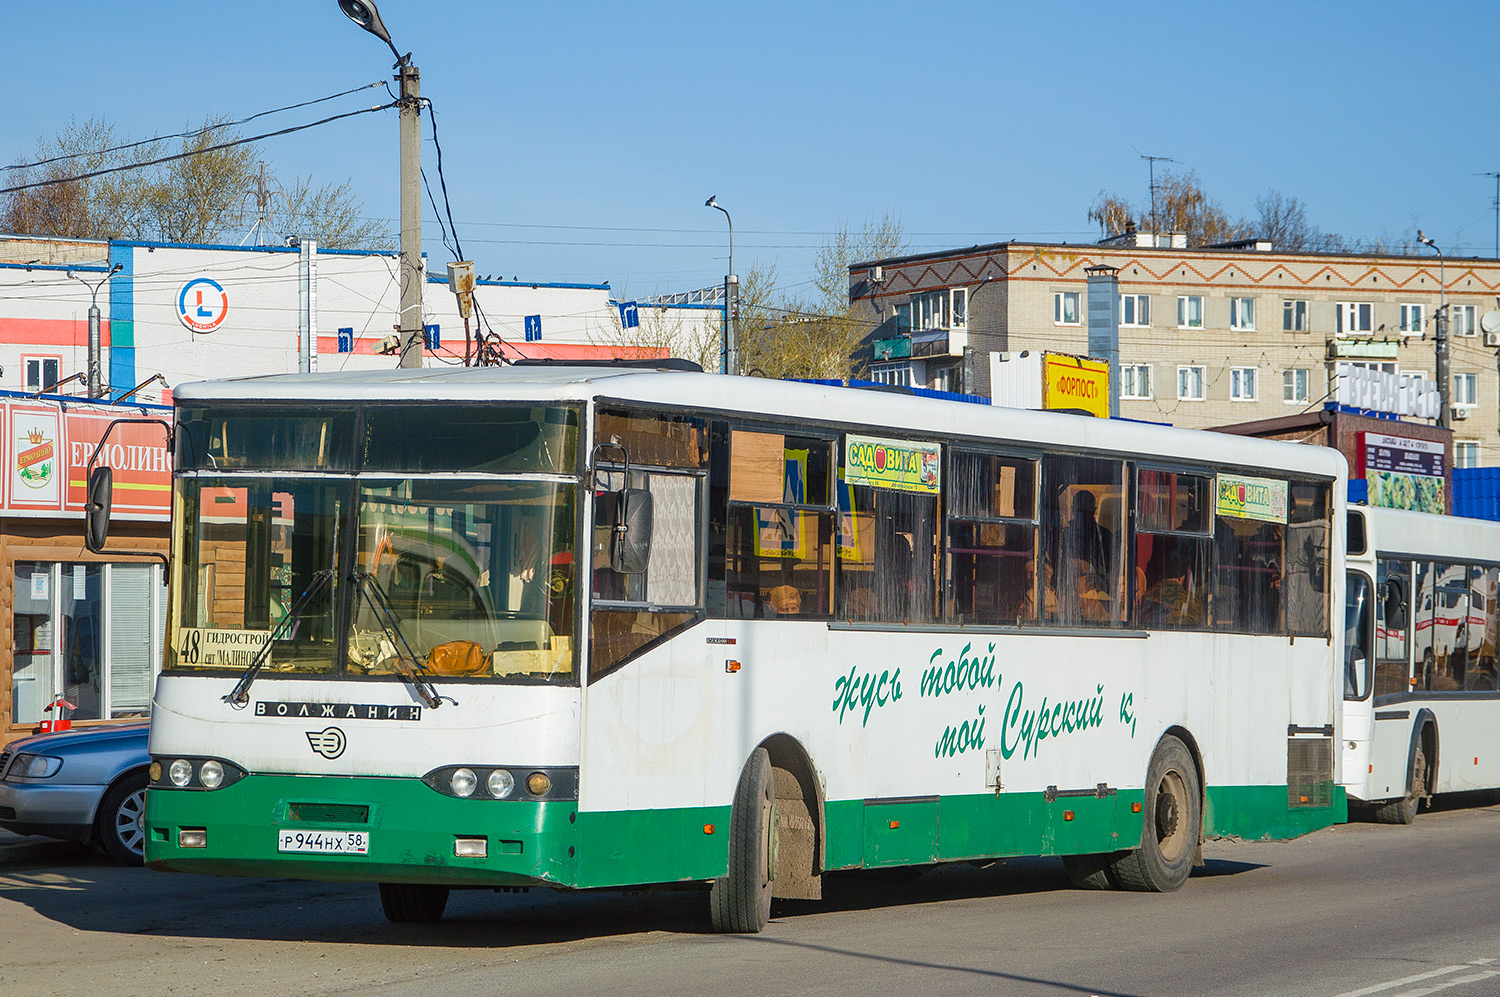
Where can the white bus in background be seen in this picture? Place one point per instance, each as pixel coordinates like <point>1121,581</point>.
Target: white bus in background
<point>587,628</point>
<point>1421,697</point>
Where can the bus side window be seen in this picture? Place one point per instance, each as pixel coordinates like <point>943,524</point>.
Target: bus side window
<point>991,556</point>
<point>1393,614</point>
<point>1481,676</point>
<point>1084,507</point>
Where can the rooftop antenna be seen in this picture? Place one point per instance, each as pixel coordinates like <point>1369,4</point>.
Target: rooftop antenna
<point>1497,209</point>
<point>1151,162</point>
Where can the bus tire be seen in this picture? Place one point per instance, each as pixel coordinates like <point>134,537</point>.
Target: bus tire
<point>413,903</point>
<point>121,820</point>
<point>1171,824</point>
<point>1404,810</point>
<point>740,902</point>
<point>1091,872</point>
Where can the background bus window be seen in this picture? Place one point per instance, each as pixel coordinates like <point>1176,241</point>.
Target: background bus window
<point>1442,625</point>
<point>991,562</point>
<point>1393,627</point>
<point>1424,596</point>
<point>1357,636</point>
<point>1483,623</point>
<point>1083,507</point>
<point>1307,559</point>
<point>779,539</point>
<point>1173,550</point>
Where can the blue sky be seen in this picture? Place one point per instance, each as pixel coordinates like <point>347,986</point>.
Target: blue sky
<point>581,140</point>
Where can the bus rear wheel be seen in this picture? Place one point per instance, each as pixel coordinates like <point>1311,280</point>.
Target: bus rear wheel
<point>740,902</point>
<point>413,903</point>
<point>1404,810</point>
<point>1171,825</point>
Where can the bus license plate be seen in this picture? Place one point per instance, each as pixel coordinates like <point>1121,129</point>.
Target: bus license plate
<point>324,842</point>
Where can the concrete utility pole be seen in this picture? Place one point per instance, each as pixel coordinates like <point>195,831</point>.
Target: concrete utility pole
<point>411,214</point>
<point>1445,381</point>
<point>365,14</point>
<point>94,376</point>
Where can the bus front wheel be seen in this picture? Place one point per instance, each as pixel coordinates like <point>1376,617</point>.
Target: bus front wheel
<point>413,903</point>
<point>1404,810</point>
<point>741,901</point>
<point>1172,820</point>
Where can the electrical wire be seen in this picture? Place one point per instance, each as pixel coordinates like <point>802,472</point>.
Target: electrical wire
<point>195,152</point>
<point>443,180</point>
<point>184,135</point>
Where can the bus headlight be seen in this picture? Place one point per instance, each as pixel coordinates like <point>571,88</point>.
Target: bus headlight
<point>462,782</point>
<point>211,774</point>
<point>180,772</point>
<point>501,783</point>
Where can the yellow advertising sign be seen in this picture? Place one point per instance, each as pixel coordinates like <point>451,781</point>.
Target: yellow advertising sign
<point>1076,384</point>
<point>899,464</point>
<point>1252,498</point>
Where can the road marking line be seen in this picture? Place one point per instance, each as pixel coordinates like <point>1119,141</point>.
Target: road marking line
<point>1456,981</point>
<point>1393,984</point>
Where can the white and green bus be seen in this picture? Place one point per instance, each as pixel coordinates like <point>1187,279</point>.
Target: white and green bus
<point>1420,688</point>
<point>610,628</point>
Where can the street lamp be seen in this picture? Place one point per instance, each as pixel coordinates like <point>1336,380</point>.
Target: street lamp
<point>365,14</point>
<point>731,293</point>
<point>1443,378</point>
<point>93,371</point>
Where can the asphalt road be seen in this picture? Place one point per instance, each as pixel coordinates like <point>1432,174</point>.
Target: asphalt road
<point>1347,912</point>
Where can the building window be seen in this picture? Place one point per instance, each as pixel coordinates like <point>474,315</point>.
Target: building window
<point>1294,316</point>
<point>1242,384</point>
<point>1463,320</point>
<point>1465,453</point>
<point>1190,382</point>
<point>1242,313</point>
<point>1135,310</point>
<point>1294,384</point>
<point>1135,380</point>
<point>1065,308</point>
<point>1466,389</point>
<point>903,319</point>
<point>960,310</point>
<point>1190,311</point>
<point>87,633</point>
<point>42,372</point>
<point>1412,317</point>
<point>1354,318</point>
<point>892,374</point>
<point>930,310</point>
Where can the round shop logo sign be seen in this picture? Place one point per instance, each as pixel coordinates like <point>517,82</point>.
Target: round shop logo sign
<point>202,304</point>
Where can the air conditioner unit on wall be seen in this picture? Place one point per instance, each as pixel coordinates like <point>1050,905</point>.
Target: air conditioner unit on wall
<point>1492,339</point>
<point>1460,413</point>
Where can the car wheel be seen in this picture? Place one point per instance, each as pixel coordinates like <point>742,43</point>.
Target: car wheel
<point>122,819</point>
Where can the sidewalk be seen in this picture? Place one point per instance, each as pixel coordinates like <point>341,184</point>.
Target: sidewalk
<point>34,848</point>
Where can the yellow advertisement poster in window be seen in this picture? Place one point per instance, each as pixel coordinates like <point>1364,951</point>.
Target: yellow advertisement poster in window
<point>1252,498</point>
<point>901,465</point>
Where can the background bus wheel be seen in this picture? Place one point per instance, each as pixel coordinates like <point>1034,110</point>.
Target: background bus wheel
<point>122,830</point>
<point>1404,810</point>
<point>1091,872</point>
<point>741,901</point>
<point>1171,824</point>
<point>413,903</point>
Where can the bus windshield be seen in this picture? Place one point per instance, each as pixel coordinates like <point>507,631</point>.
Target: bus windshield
<point>465,579</point>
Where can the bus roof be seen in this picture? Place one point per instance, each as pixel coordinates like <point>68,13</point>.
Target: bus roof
<point>751,396</point>
<point>1397,531</point>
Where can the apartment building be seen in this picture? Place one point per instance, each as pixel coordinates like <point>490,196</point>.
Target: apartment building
<point>1208,336</point>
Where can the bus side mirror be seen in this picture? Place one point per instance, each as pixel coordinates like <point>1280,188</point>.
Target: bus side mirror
<point>1395,605</point>
<point>631,524</point>
<point>101,486</point>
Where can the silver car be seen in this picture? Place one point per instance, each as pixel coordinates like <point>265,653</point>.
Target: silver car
<point>86,785</point>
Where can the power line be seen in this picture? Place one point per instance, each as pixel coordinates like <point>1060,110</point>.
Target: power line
<point>195,152</point>
<point>188,134</point>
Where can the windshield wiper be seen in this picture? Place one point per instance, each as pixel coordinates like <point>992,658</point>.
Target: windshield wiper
<point>409,666</point>
<point>240,694</point>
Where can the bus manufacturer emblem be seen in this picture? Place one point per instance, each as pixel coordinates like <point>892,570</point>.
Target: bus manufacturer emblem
<point>328,742</point>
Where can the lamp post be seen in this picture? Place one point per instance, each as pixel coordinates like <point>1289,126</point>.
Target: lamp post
<point>93,371</point>
<point>1445,386</point>
<point>365,14</point>
<point>731,302</point>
